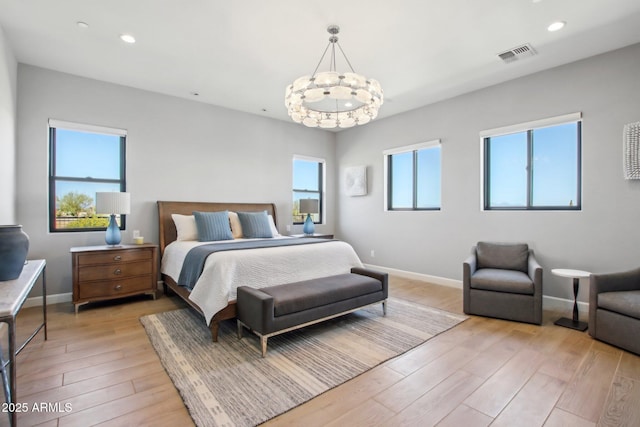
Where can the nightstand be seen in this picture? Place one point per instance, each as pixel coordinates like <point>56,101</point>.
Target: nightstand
<point>314,235</point>
<point>108,272</point>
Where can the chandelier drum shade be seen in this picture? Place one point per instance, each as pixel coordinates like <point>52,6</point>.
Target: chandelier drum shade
<point>332,99</point>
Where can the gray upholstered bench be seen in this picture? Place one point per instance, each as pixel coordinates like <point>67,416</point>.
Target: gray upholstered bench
<point>277,309</point>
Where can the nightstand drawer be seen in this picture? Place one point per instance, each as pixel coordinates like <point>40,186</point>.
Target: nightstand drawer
<point>113,288</point>
<point>114,257</point>
<point>114,271</point>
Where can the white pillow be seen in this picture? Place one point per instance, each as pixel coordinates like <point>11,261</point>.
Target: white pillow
<point>185,226</point>
<point>236,227</point>
<point>272,224</point>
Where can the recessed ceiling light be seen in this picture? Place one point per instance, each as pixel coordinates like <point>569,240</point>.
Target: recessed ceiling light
<point>127,38</point>
<point>556,26</point>
<point>82,24</point>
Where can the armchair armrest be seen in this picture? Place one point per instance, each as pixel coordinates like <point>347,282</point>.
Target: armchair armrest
<point>469,266</point>
<point>609,282</point>
<point>534,270</point>
<point>615,282</point>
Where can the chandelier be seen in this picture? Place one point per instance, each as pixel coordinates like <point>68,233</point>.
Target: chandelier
<point>330,99</point>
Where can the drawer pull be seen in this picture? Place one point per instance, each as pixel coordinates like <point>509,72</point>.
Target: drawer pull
<point>117,287</point>
<point>117,258</point>
<point>117,272</point>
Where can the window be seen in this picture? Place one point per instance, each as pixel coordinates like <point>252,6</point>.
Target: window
<point>83,160</point>
<point>308,183</point>
<point>412,176</point>
<point>533,166</point>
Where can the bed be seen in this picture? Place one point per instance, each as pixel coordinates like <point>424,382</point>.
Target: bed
<point>213,295</point>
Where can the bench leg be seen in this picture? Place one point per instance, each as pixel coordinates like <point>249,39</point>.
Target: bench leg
<point>240,327</point>
<point>384,307</point>
<point>263,345</point>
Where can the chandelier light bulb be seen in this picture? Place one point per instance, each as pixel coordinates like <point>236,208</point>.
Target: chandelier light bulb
<point>331,99</point>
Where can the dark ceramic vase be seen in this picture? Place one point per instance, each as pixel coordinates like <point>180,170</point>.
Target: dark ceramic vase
<point>14,246</point>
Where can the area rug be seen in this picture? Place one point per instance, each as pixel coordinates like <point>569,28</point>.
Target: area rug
<point>228,383</point>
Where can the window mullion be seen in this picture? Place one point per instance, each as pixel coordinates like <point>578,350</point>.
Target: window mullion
<point>415,179</point>
<point>320,195</point>
<point>529,169</point>
<point>487,173</point>
<point>390,184</point>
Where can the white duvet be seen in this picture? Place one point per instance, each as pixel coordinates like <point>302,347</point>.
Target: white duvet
<point>226,270</point>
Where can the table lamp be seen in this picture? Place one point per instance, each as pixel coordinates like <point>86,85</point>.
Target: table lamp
<point>113,203</point>
<point>309,206</point>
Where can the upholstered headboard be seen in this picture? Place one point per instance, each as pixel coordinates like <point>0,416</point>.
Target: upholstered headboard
<point>168,231</point>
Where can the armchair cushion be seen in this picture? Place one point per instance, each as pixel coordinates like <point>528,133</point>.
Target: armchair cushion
<point>494,279</point>
<point>623,302</point>
<point>505,256</point>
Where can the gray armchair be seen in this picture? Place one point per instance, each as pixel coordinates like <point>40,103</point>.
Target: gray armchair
<point>614,309</point>
<point>503,280</point>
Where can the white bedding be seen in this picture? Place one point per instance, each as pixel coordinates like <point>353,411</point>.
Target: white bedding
<point>226,270</point>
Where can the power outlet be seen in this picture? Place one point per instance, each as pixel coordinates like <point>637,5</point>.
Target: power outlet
<point>373,253</point>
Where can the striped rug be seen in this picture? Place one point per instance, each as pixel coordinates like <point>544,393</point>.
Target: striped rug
<point>228,383</point>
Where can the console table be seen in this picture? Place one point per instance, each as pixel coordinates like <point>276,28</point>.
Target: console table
<point>13,294</point>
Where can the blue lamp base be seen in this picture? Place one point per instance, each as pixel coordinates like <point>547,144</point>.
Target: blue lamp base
<point>113,236</point>
<point>309,227</point>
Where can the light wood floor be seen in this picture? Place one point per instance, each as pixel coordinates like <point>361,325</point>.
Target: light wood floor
<point>482,372</point>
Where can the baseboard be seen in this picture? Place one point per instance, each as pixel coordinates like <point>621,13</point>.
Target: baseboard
<point>436,280</point>
<point>554,303</point>
<point>51,299</point>
<point>548,302</point>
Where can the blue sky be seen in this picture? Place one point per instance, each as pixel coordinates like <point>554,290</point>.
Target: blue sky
<point>83,155</point>
<point>305,177</point>
<point>428,180</point>
<point>555,168</point>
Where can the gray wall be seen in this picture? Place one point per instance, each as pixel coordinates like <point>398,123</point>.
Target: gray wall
<point>8,72</point>
<point>184,150</point>
<point>602,237</point>
<point>176,150</point>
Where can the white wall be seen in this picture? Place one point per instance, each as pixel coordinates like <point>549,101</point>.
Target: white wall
<point>603,237</point>
<point>8,72</point>
<point>176,150</point>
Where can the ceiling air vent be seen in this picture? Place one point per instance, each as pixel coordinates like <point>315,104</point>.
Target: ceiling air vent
<point>516,53</point>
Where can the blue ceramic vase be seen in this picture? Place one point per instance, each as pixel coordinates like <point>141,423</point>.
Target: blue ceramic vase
<point>308,228</point>
<point>14,246</point>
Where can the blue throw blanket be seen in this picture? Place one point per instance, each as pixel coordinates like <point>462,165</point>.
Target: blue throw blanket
<point>196,257</point>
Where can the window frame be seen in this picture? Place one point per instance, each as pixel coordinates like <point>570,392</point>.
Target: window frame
<point>388,175</point>
<point>321,186</point>
<point>53,125</point>
<point>529,128</point>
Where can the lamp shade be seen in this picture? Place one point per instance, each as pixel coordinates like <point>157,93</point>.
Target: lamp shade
<point>113,203</point>
<point>309,206</point>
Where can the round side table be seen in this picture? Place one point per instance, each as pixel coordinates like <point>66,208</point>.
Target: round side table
<point>576,275</point>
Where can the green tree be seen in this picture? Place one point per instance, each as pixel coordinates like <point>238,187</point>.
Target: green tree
<point>92,222</point>
<point>73,203</point>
